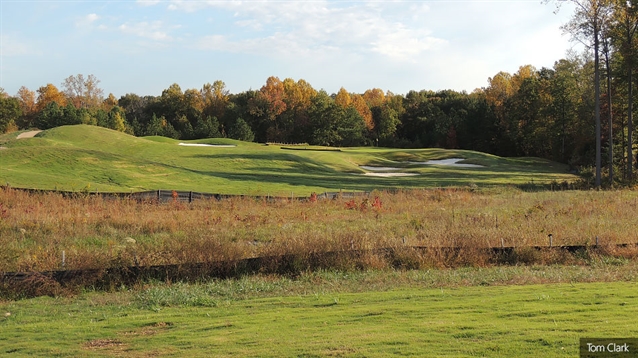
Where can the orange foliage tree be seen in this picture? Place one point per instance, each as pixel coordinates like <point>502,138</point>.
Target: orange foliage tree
<point>362,108</point>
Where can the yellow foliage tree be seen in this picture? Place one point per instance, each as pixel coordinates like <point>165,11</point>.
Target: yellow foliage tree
<point>48,94</point>
<point>109,102</point>
<point>298,95</point>
<point>374,97</point>
<point>343,98</point>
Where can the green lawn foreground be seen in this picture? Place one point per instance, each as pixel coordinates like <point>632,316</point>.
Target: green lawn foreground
<point>494,321</point>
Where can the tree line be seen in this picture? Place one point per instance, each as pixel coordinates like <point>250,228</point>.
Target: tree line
<point>551,113</point>
<point>544,113</point>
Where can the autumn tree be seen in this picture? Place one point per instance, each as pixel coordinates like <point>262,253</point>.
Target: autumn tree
<point>109,102</point>
<point>215,98</point>
<point>83,92</point>
<point>271,104</point>
<point>374,97</point>
<point>343,98</point>
<point>48,94</point>
<point>27,99</point>
<point>297,96</point>
<point>360,105</point>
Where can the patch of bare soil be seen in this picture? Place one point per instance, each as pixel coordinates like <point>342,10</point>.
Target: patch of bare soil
<point>29,134</point>
<point>150,330</point>
<point>103,343</point>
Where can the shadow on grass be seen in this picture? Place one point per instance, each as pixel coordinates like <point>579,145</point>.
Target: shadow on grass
<point>32,284</point>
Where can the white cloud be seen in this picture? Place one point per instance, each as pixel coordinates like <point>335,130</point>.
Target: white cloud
<point>148,2</point>
<point>151,30</point>
<point>309,29</point>
<point>87,21</point>
<point>13,46</point>
<point>404,44</point>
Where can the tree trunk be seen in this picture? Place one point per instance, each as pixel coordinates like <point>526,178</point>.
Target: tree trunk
<point>630,125</point>
<point>597,103</point>
<point>609,109</point>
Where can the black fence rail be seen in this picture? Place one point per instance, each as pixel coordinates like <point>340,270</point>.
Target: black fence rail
<point>169,195</point>
<point>282,264</point>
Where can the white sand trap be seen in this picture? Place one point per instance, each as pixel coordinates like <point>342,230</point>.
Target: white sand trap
<point>390,174</point>
<point>29,134</point>
<point>378,169</point>
<point>207,145</point>
<point>453,162</point>
<point>385,172</point>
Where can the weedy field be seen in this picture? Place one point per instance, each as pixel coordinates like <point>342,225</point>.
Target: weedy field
<point>98,159</point>
<point>47,231</point>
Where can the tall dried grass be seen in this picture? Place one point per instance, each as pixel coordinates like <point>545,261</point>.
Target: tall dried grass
<point>93,232</point>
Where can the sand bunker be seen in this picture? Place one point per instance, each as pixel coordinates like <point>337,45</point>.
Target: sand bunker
<point>29,134</point>
<point>207,145</point>
<point>453,162</point>
<point>385,172</point>
<point>378,169</point>
<point>390,174</point>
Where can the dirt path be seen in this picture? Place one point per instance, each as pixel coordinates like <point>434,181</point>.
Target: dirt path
<point>29,134</point>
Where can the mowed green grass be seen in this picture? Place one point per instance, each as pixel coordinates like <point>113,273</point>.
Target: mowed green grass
<point>93,158</point>
<point>487,321</point>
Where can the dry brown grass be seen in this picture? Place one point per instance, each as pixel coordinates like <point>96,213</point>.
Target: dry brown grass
<point>95,232</point>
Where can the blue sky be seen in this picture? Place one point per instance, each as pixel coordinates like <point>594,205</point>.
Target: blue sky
<point>143,47</point>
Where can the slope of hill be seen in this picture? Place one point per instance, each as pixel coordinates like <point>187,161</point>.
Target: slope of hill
<point>94,158</point>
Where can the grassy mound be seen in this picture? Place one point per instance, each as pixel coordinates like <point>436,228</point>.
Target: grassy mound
<point>94,158</point>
